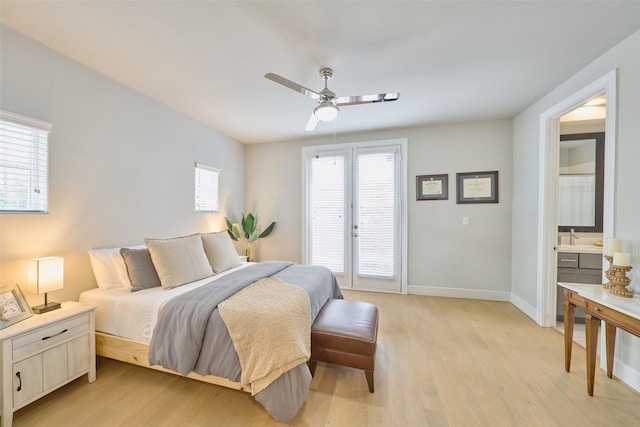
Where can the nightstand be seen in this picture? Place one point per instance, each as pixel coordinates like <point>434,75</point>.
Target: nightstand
<point>45,352</point>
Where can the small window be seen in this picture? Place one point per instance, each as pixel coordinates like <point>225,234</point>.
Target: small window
<point>206,188</point>
<point>23,163</point>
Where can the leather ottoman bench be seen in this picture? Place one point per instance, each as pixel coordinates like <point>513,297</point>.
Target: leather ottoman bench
<point>345,333</point>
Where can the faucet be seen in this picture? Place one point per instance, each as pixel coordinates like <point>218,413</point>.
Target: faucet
<point>572,237</point>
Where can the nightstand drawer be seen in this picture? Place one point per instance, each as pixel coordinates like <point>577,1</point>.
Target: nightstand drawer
<point>57,332</point>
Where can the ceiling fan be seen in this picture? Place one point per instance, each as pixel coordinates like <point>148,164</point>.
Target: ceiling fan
<point>328,103</point>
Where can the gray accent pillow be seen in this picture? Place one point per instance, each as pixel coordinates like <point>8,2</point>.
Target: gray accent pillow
<point>220,251</point>
<point>140,269</point>
<point>180,260</point>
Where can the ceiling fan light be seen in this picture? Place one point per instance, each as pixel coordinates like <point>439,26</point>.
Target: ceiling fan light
<point>326,111</point>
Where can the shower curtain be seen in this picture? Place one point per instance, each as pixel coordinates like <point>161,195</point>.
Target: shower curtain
<point>576,200</point>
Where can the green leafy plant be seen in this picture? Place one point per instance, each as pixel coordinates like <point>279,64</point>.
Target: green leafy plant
<point>247,232</point>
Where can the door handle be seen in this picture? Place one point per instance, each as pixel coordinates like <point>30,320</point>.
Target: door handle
<point>55,335</point>
<point>355,234</point>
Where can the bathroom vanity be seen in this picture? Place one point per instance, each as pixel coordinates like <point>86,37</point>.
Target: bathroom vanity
<point>578,264</point>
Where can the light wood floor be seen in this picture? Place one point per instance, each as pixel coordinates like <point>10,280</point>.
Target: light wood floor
<point>440,362</point>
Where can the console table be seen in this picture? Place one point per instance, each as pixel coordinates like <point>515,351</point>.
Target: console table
<point>598,304</point>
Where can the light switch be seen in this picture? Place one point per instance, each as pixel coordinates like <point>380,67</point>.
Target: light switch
<point>465,220</point>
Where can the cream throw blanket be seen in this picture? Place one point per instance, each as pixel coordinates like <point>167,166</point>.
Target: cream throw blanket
<point>270,324</point>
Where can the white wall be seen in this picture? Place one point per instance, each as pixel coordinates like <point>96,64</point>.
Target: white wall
<point>624,57</point>
<point>121,165</point>
<point>445,257</point>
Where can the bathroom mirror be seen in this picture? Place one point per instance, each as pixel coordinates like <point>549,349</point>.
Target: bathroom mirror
<point>581,182</point>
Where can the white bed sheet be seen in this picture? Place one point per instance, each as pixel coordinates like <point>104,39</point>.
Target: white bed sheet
<point>133,315</point>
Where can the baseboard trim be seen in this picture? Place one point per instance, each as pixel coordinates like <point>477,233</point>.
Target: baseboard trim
<point>526,308</point>
<point>626,345</point>
<point>459,293</point>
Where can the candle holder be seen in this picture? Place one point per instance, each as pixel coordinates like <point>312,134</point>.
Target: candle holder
<point>619,281</point>
<point>608,272</point>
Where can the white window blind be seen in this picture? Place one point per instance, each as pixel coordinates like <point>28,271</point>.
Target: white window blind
<point>377,215</point>
<point>23,163</point>
<point>206,188</point>
<point>327,204</point>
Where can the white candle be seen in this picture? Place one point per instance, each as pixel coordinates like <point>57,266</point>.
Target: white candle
<point>622,259</point>
<point>613,245</point>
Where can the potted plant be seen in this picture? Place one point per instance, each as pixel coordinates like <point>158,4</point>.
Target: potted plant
<point>247,232</point>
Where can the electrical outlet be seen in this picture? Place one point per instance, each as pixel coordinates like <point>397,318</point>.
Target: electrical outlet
<point>465,220</point>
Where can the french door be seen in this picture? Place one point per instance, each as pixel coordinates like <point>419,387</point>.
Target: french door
<point>354,213</point>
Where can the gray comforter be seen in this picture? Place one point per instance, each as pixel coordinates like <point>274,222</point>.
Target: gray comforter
<point>191,336</point>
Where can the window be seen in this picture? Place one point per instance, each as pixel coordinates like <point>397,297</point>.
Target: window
<point>376,188</point>
<point>327,208</point>
<point>206,188</point>
<point>373,173</point>
<point>23,163</point>
<point>354,199</point>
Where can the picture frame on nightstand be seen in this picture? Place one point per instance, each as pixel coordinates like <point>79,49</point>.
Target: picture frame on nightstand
<point>13,306</point>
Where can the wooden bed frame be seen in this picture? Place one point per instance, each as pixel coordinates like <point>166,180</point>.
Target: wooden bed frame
<point>136,353</point>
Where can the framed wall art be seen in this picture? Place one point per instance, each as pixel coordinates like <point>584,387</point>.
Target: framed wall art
<point>477,187</point>
<point>13,306</point>
<point>432,187</point>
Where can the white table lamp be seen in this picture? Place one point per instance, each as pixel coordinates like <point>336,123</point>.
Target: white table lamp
<point>45,275</point>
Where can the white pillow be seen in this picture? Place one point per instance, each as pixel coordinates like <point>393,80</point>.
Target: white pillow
<point>220,251</point>
<point>179,260</point>
<point>105,268</point>
<point>121,269</point>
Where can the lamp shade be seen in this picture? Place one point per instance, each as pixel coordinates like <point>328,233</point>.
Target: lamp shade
<point>326,111</point>
<point>45,275</point>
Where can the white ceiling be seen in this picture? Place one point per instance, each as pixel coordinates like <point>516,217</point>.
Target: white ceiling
<point>450,60</point>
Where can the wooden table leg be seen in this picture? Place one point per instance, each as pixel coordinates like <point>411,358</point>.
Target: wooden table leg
<point>591,332</point>
<point>569,316</point>
<point>610,331</point>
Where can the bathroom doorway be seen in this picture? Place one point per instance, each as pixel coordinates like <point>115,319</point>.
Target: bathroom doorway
<point>550,122</point>
<point>580,202</point>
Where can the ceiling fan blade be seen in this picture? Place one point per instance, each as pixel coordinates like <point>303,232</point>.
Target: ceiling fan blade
<point>367,99</point>
<point>292,85</point>
<point>312,123</point>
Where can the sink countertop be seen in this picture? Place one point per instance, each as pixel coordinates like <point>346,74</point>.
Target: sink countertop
<point>588,249</point>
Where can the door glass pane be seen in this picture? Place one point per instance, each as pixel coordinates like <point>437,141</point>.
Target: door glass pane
<point>376,217</point>
<point>327,208</point>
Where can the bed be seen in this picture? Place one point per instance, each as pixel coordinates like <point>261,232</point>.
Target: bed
<point>130,327</point>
